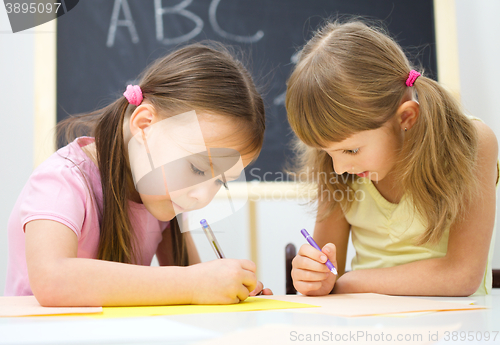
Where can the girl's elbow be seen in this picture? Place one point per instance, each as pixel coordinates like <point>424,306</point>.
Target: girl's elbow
<point>465,290</point>
<point>472,285</point>
<point>47,288</point>
<point>47,293</point>
<point>467,284</point>
<point>47,300</point>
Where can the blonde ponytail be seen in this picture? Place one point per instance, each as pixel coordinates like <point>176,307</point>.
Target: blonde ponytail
<point>439,159</point>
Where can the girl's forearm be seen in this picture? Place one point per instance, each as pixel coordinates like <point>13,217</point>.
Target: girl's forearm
<point>89,282</point>
<point>431,277</point>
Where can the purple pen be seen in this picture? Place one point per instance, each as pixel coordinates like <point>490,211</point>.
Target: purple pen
<point>313,243</point>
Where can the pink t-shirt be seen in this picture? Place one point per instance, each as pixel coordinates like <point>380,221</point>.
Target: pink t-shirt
<point>58,191</point>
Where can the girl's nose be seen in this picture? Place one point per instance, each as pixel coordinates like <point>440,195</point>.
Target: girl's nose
<point>341,167</point>
<point>203,193</point>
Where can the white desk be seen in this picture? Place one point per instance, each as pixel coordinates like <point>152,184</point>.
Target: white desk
<point>205,327</point>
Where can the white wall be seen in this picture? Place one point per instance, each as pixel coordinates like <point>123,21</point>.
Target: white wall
<point>16,141</point>
<point>478,32</point>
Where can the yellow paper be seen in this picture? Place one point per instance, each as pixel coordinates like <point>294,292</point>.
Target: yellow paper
<point>250,304</point>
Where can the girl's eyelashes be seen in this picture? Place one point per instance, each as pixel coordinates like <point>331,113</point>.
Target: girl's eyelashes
<point>352,152</point>
<point>196,170</point>
<point>202,173</point>
<point>222,183</point>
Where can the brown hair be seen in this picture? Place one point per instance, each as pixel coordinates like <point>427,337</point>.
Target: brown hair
<point>350,77</point>
<point>204,77</point>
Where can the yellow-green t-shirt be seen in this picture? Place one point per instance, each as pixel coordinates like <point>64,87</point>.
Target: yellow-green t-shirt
<point>384,233</point>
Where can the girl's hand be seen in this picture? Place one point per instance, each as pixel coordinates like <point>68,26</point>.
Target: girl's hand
<point>259,290</point>
<point>222,281</point>
<point>310,275</point>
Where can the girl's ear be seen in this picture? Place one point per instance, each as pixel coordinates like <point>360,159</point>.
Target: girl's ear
<point>142,117</point>
<point>408,114</point>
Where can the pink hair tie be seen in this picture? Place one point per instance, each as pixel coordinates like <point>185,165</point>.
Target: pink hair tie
<point>133,94</point>
<point>412,77</point>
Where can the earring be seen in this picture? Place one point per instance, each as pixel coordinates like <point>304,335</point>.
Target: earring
<point>406,129</point>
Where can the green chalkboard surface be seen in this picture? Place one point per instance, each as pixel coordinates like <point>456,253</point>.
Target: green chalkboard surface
<point>104,44</point>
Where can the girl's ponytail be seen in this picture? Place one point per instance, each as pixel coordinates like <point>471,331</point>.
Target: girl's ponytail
<point>116,241</point>
<point>116,238</point>
<point>439,154</point>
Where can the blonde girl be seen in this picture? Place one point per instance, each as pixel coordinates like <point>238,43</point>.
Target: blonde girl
<point>397,165</point>
<point>81,234</point>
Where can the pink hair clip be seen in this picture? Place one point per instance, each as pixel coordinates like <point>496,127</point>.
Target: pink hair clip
<point>412,77</point>
<point>133,94</point>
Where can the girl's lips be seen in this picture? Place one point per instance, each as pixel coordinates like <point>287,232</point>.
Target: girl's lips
<point>177,207</point>
<point>364,174</point>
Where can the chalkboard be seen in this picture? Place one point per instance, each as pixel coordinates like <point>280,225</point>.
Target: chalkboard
<point>102,45</point>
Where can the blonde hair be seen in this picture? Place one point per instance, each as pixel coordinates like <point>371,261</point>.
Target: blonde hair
<point>350,78</point>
